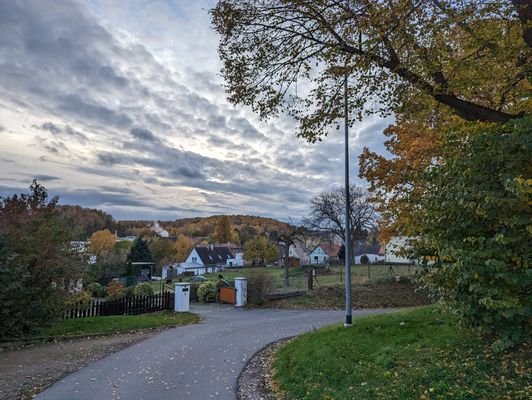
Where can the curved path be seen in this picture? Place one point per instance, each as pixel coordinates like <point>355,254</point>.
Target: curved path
<point>197,362</point>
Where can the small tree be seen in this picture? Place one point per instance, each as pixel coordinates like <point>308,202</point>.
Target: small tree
<point>183,246</point>
<point>36,263</point>
<point>140,252</point>
<point>163,251</point>
<point>102,242</point>
<point>260,250</point>
<point>223,232</point>
<point>327,214</point>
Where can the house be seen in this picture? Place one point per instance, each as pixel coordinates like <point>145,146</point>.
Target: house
<point>392,250</point>
<point>374,252</point>
<point>203,259</point>
<point>325,253</point>
<point>82,249</point>
<point>298,255</point>
<point>237,253</point>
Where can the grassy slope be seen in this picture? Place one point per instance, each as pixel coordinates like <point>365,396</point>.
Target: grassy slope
<point>416,354</point>
<point>380,294</point>
<point>115,324</point>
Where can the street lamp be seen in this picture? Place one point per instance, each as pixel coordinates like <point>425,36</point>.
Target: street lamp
<point>347,241</point>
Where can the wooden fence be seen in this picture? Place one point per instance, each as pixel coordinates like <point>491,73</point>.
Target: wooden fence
<point>131,305</point>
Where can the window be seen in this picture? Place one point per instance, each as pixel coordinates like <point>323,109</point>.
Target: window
<point>194,259</point>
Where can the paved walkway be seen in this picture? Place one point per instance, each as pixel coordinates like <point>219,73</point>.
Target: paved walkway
<point>196,362</point>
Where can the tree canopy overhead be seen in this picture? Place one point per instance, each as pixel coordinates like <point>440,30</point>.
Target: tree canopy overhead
<point>291,56</point>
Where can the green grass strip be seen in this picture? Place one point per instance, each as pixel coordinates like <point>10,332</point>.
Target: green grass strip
<point>116,324</point>
<point>416,354</point>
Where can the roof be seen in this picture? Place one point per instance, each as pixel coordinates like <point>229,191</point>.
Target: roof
<point>213,255</point>
<point>361,249</point>
<point>331,249</point>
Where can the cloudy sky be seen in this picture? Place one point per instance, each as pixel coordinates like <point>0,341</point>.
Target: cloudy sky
<point>118,105</point>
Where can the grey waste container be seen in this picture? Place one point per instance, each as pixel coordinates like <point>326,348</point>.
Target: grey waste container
<point>182,297</point>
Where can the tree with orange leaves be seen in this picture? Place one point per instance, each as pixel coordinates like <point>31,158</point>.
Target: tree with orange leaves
<point>396,183</point>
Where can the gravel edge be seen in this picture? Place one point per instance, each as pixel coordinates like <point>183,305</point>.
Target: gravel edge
<point>254,382</point>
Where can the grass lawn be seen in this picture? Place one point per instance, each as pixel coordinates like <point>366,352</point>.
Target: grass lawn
<point>298,277</point>
<point>116,324</point>
<point>416,354</point>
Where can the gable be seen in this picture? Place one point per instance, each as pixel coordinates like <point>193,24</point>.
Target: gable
<point>194,257</point>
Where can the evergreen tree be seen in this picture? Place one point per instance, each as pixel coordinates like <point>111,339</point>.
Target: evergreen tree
<point>140,252</point>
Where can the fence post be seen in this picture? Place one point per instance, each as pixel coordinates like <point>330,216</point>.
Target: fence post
<point>310,280</point>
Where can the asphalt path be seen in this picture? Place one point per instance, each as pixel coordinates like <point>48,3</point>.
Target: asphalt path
<point>197,362</point>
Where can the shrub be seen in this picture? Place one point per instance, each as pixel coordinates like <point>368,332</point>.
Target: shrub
<point>96,290</point>
<point>144,289</point>
<point>364,259</point>
<point>115,290</point>
<point>259,285</point>
<point>82,296</point>
<point>207,292</point>
<point>130,291</point>
<point>477,218</point>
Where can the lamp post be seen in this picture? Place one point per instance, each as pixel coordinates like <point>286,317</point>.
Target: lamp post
<point>347,241</point>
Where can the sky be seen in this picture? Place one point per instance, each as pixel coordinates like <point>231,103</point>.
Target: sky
<point>119,105</point>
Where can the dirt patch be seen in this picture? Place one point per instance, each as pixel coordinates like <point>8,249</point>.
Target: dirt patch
<point>384,294</point>
<point>26,371</point>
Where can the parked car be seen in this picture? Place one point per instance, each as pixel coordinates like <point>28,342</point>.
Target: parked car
<point>198,278</point>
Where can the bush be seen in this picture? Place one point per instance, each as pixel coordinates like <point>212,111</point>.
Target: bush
<point>96,290</point>
<point>144,289</point>
<point>115,290</point>
<point>477,217</point>
<point>82,296</point>
<point>130,291</point>
<point>364,259</point>
<point>259,285</point>
<point>207,292</point>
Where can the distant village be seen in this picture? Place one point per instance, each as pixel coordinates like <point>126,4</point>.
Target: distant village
<point>207,256</point>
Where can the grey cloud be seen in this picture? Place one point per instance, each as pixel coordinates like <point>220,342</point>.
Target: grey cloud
<point>144,134</point>
<point>114,189</point>
<point>50,127</point>
<point>110,158</point>
<point>97,198</point>
<point>219,141</point>
<point>51,149</point>
<point>74,105</point>
<point>66,132</point>
<point>217,122</point>
<point>247,130</point>
<point>60,61</point>
<point>46,178</point>
<point>188,172</point>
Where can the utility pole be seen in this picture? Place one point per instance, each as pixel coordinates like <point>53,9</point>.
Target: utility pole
<point>347,241</point>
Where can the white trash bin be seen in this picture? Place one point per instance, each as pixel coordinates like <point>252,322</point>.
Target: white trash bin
<point>241,286</point>
<point>182,297</point>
